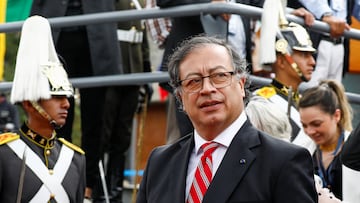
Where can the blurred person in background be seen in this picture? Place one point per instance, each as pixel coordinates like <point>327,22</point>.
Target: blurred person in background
<point>123,102</point>
<point>332,57</point>
<point>9,115</point>
<point>265,116</point>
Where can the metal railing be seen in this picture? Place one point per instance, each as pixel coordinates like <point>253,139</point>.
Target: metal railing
<point>186,10</point>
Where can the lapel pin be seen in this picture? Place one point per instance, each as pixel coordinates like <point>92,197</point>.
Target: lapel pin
<point>242,161</point>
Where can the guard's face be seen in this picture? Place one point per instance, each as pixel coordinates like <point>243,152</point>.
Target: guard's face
<point>56,107</point>
<point>211,106</point>
<point>320,126</point>
<point>305,62</point>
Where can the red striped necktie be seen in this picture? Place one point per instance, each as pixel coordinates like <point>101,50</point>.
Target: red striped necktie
<point>203,174</point>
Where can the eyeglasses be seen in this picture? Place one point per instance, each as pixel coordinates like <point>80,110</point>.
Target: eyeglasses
<point>218,80</point>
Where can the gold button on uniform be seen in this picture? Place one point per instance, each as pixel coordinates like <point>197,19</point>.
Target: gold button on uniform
<point>51,171</point>
<point>48,152</point>
<point>52,196</point>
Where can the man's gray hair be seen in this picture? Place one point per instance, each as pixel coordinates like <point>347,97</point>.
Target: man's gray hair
<point>267,117</point>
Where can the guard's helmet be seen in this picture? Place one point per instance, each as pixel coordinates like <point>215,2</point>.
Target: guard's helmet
<point>277,35</point>
<point>294,37</point>
<point>39,74</point>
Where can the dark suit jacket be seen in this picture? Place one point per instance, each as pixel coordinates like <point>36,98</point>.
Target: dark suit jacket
<point>350,153</point>
<point>255,168</point>
<point>102,38</point>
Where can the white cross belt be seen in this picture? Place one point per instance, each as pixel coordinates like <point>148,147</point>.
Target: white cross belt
<point>51,182</point>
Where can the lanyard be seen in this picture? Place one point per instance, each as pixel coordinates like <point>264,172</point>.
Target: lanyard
<point>325,175</point>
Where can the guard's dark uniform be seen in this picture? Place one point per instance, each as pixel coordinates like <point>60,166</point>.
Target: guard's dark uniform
<point>48,161</point>
<point>278,94</point>
<point>276,88</point>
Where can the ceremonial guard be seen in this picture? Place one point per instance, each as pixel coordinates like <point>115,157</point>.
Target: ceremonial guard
<point>292,63</point>
<point>36,166</point>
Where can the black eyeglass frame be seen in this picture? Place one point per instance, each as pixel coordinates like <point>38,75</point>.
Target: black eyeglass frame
<point>211,76</point>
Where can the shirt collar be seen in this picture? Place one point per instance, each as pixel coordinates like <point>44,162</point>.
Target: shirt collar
<point>284,90</point>
<point>225,137</point>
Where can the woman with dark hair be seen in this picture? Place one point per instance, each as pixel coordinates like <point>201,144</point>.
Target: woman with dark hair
<point>326,118</point>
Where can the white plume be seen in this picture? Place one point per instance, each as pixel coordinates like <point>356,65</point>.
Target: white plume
<point>36,48</point>
<point>269,27</point>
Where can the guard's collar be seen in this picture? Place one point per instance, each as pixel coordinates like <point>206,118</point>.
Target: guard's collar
<point>36,138</point>
<point>284,90</point>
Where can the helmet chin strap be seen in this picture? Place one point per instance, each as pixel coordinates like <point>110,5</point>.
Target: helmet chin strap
<point>43,113</point>
<point>296,68</point>
<point>283,47</point>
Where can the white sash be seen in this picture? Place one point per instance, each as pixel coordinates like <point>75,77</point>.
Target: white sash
<point>51,182</point>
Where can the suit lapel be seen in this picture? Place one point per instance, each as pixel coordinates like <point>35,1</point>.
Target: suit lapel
<point>234,165</point>
<point>177,186</point>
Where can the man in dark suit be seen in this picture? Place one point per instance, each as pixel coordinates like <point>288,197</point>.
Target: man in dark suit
<point>350,153</point>
<point>248,165</point>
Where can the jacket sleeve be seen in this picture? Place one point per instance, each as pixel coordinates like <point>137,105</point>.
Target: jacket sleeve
<point>297,179</point>
<point>350,154</point>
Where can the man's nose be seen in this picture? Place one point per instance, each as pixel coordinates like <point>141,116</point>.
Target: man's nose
<point>207,84</point>
<point>65,103</point>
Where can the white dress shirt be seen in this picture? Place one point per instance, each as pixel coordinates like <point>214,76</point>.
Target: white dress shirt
<point>224,139</point>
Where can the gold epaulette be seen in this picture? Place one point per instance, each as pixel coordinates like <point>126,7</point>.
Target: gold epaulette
<point>71,145</point>
<point>8,137</point>
<point>266,92</point>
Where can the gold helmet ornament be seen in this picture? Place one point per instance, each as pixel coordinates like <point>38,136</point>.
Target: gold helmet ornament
<point>293,37</point>
<point>39,74</point>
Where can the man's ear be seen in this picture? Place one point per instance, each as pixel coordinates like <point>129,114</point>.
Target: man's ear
<point>179,99</point>
<point>242,82</point>
<point>178,96</point>
<point>279,63</point>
